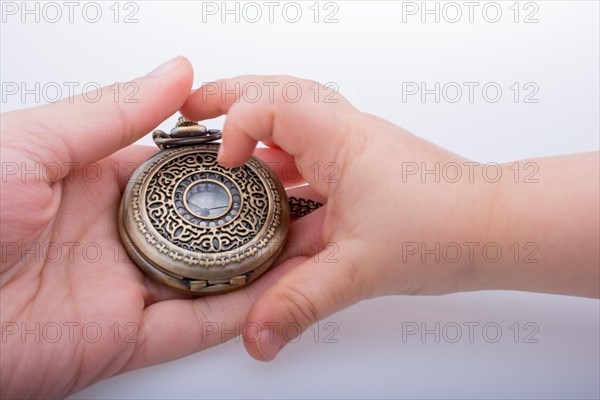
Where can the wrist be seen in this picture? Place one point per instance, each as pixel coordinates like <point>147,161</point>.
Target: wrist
<point>481,214</point>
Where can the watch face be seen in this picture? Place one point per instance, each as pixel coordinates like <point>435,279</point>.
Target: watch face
<point>205,198</point>
<point>208,199</point>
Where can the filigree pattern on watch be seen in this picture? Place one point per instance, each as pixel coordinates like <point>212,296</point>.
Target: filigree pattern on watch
<point>162,207</point>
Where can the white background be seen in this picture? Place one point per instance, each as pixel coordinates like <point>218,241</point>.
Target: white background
<point>371,53</point>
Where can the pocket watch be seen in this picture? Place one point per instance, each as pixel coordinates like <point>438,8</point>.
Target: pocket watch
<point>197,226</point>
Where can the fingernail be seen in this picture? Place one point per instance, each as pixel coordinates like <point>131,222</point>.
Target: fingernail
<point>269,344</point>
<point>166,67</point>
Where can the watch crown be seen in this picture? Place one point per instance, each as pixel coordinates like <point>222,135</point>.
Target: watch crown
<point>187,128</point>
<point>185,133</point>
<point>183,121</point>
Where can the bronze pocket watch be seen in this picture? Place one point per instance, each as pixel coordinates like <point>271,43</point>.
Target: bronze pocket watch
<point>197,226</point>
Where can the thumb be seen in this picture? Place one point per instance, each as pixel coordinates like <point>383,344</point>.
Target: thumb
<point>87,128</point>
<point>320,286</point>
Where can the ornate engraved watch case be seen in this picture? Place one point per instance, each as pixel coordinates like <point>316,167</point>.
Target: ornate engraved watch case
<point>197,226</point>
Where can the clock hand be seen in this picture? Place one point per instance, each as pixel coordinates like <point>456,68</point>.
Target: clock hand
<point>197,205</point>
<point>200,207</point>
<point>216,208</point>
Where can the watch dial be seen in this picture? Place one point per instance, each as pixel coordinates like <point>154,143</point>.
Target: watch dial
<point>208,199</point>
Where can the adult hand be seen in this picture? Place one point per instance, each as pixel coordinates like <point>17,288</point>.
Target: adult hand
<point>74,308</point>
<point>391,227</point>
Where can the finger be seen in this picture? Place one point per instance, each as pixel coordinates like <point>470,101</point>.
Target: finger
<point>214,99</point>
<point>318,287</point>
<point>76,130</point>
<point>282,164</point>
<point>309,130</point>
<point>291,95</point>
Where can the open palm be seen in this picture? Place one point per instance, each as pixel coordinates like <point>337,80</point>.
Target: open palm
<point>74,308</point>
